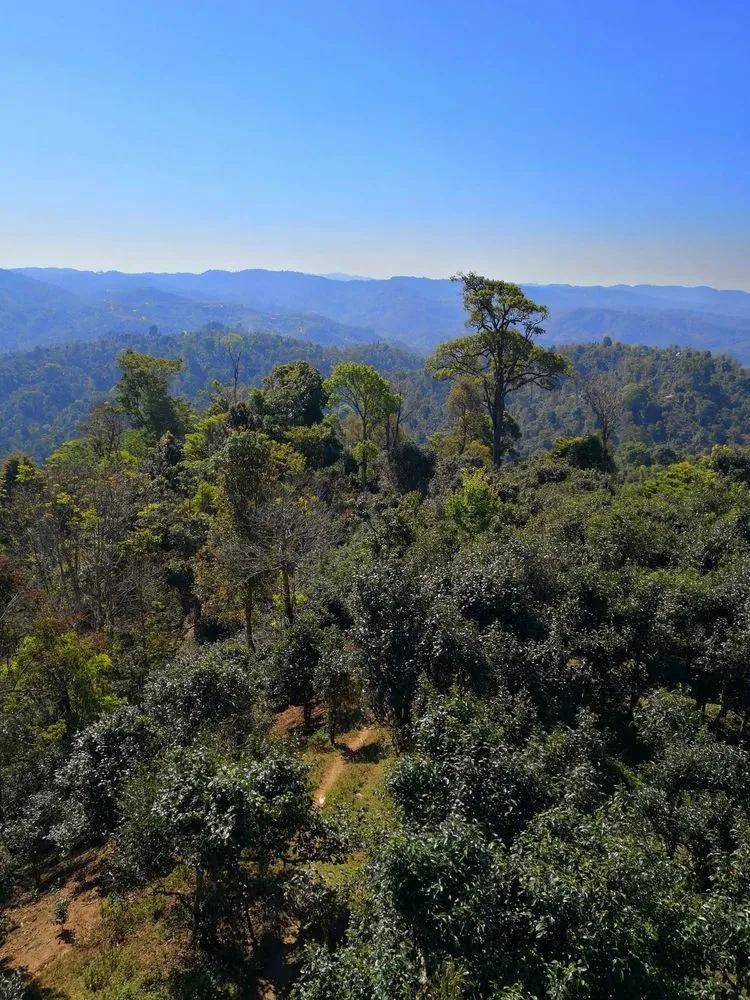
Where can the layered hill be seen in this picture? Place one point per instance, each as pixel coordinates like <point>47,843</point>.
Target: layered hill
<point>417,312</point>
<point>70,305</point>
<point>47,392</point>
<point>683,398</point>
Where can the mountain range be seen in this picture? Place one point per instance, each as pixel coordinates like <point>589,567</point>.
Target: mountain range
<point>52,305</point>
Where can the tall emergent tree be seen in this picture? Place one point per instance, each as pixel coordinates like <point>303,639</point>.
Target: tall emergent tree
<point>500,353</point>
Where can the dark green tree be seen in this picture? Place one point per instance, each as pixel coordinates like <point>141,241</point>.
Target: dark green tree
<point>143,393</point>
<point>295,394</point>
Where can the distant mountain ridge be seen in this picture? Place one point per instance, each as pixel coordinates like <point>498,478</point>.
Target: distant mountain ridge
<point>85,306</point>
<point>342,309</point>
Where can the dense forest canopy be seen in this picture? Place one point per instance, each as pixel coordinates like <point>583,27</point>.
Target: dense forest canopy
<point>295,704</point>
<point>683,399</point>
<point>47,392</point>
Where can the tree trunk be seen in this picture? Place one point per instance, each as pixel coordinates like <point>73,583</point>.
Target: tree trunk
<point>365,439</point>
<point>286,590</point>
<point>248,609</point>
<point>498,420</point>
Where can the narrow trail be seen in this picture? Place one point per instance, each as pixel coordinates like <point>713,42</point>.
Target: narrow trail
<point>357,741</point>
<point>32,940</point>
<point>277,973</point>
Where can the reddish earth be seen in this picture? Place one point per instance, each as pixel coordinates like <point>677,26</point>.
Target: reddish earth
<point>292,719</point>
<point>33,939</point>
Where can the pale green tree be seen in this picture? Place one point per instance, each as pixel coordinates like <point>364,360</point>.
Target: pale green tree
<point>369,396</point>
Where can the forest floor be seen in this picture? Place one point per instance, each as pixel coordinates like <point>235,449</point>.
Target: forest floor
<point>32,939</point>
<point>137,946</point>
<point>345,753</point>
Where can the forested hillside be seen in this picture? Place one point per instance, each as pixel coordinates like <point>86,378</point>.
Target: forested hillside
<point>684,399</point>
<point>292,706</point>
<point>678,398</point>
<point>46,393</point>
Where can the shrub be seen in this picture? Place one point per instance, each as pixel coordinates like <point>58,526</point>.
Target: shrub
<point>208,690</point>
<point>103,757</point>
<point>11,986</point>
<point>208,815</point>
<point>60,909</point>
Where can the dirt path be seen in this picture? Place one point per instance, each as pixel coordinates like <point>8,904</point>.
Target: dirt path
<point>357,741</point>
<point>277,972</point>
<point>32,939</point>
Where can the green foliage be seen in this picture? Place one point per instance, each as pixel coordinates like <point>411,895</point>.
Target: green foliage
<point>474,506</point>
<point>696,399</point>
<point>336,683</point>
<point>385,628</point>
<point>319,444</point>
<point>687,399</point>
<point>47,393</point>
<point>362,389</point>
<point>501,356</point>
<point>366,393</point>
<point>555,649</point>
<point>381,970</point>
<point>11,986</point>
<point>731,462</point>
<point>582,452</point>
<point>57,682</point>
<point>445,887</point>
<point>295,393</point>
<point>465,408</point>
<point>243,464</point>
<point>102,758</point>
<point>208,815</point>
<point>203,693</point>
<point>142,392</point>
<point>292,663</point>
<point>60,909</point>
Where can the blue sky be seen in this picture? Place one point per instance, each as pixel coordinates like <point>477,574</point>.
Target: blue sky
<point>581,142</point>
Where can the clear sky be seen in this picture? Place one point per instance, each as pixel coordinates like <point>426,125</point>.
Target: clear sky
<point>591,142</point>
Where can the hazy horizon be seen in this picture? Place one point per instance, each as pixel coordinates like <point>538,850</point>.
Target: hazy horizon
<point>345,276</point>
